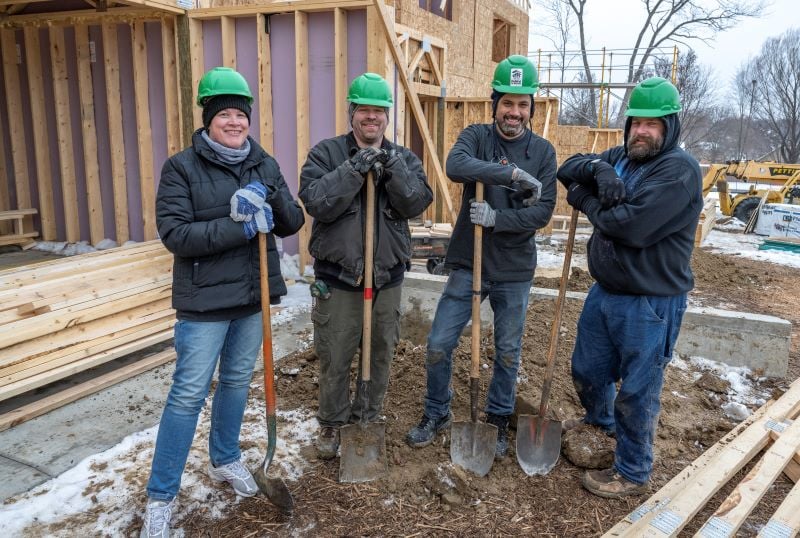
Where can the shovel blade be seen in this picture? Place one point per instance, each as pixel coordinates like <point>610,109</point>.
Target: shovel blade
<point>472,446</point>
<point>275,490</point>
<point>363,452</point>
<point>538,444</point>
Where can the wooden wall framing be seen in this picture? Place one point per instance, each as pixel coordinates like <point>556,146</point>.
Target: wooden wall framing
<point>62,74</point>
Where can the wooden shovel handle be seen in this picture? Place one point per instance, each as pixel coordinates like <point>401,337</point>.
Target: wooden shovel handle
<point>369,235</point>
<point>477,259</point>
<point>555,329</point>
<point>266,321</point>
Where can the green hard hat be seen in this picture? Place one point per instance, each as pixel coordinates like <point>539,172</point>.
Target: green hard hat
<point>370,89</point>
<point>516,74</point>
<point>654,97</point>
<point>222,81</point>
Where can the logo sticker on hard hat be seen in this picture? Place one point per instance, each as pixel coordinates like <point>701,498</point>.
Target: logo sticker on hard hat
<point>516,77</point>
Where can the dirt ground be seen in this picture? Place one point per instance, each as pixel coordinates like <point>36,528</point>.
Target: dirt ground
<point>424,495</point>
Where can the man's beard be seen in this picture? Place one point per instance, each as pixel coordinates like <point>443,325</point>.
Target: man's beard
<point>509,130</point>
<point>651,148</point>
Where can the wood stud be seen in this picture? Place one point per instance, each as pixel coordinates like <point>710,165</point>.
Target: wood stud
<point>89,135</point>
<point>144,131</point>
<point>40,133</point>
<point>115,134</point>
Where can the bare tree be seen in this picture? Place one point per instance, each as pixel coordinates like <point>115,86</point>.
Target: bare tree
<point>555,24</point>
<point>669,22</point>
<point>776,71</point>
<point>694,82</point>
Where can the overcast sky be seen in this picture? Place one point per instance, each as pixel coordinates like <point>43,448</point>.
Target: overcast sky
<point>606,26</point>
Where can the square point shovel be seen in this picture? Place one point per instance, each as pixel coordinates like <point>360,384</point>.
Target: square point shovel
<point>472,444</point>
<point>539,438</point>
<point>273,487</point>
<point>363,445</point>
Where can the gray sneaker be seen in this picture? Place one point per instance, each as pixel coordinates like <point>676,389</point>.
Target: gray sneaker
<point>236,475</point>
<point>424,433</point>
<point>156,519</point>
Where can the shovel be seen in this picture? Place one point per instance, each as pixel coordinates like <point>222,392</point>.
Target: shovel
<point>363,445</point>
<point>472,444</point>
<point>539,438</point>
<point>274,488</point>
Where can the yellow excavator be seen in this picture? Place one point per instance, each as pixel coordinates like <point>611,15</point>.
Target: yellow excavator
<point>741,205</point>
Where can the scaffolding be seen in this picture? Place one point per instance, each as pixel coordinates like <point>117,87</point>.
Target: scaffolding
<point>567,67</point>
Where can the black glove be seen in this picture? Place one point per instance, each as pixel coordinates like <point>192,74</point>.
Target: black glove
<point>578,195</point>
<point>364,159</point>
<point>610,188</point>
<point>528,188</point>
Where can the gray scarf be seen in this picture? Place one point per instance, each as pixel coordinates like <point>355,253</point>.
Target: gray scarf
<point>226,154</point>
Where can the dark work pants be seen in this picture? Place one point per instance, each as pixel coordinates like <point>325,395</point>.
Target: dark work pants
<point>338,323</point>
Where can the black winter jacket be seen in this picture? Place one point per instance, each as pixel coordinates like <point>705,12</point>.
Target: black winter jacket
<point>216,269</point>
<point>509,248</point>
<point>644,245</point>
<point>334,194</point>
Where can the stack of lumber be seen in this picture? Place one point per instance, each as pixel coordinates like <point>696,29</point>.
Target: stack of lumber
<point>707,218</point>
<point>770,441</point>
<point>65,316</point>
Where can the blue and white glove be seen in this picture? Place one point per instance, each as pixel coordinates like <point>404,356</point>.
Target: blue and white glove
<point>248,201</point>
<point>261,221</point>
<point>482,214</point>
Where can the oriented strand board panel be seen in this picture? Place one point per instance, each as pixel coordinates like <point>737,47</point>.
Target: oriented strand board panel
<point>470,34</point>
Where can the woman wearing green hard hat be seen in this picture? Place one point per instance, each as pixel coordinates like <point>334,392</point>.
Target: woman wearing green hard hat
<point>213,198</point>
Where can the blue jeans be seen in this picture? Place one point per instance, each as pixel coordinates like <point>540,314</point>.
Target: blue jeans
<point>628,338</point>
<point>509,301</point>
<point>198,345</point>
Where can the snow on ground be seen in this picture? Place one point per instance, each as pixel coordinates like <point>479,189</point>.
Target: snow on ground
<point>102,494</point>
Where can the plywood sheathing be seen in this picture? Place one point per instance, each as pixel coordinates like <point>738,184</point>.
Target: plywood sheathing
<point>470,33</point>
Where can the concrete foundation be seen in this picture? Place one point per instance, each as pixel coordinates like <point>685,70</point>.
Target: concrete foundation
<point>758,342</point>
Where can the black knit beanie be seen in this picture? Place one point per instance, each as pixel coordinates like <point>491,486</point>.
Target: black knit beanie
<point>221,102</point>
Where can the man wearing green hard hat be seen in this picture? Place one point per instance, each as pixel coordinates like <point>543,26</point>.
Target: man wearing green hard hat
<point>213,198</point>
<point>517,170</point>
<point>644,200</point>
<point>333,190</point>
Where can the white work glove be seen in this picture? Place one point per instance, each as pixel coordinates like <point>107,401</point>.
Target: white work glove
<point>482,214</point>
<point>527,188</point>
<point>247,201</point>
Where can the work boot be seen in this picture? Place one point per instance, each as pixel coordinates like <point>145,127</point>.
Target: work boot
<point>156,519</point>
<point>236,475</point>
<point>423,433</point>
<point>610,484</point>
<point>501,421</point>
<point>327,442</point>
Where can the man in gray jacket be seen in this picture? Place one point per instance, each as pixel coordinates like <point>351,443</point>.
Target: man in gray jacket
<point>334,193</point>
<point>518,170</point>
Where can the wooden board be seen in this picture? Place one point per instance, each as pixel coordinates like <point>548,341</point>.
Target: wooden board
<point>171,96</point>
<point>40,407</point>
<point>669,509</point>
<point>89,135</point>
<point>69,189</point>
<point>41,149</point>
<point>144,132</point>
<point>302,120</point>
<point>115,135</point>
<point>16,122</point>
<point>264,85</point>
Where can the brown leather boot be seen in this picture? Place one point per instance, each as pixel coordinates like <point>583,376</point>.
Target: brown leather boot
<point>328,442</point>
<point>610,484</point>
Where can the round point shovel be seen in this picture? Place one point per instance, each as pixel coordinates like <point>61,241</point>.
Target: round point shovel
<point>274,488</point>
<point>472,444</point>
<point>539,438</point>
<point>363,445</point>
